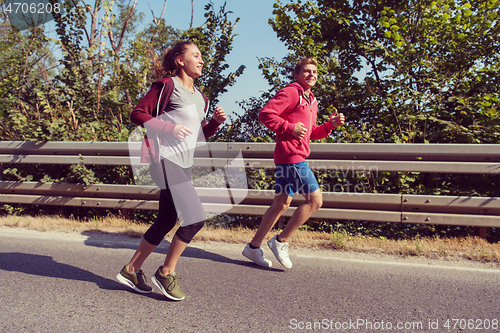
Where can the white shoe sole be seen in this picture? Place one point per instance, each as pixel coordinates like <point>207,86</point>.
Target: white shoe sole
<point>127,282</point>
<point>246,255</point>
<point>163,291</point>
<point>273,248</point>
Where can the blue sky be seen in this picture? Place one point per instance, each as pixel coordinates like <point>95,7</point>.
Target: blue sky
<point>256,39</point>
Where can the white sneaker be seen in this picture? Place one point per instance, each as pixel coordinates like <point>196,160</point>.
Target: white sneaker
<point>280,251</point>
<point>257,256</point>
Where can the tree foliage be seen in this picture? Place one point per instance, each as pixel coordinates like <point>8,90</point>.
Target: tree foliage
<point>102,72</point>
<point>82,84</point>
<point>215,39</point>
<point>402,72</point>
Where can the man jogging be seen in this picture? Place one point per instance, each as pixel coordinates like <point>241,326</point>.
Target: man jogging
<point>291,114</point>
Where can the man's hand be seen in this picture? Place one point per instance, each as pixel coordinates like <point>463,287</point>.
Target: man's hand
<point>219,115</point>
<point>180,132</point>
<point>337,119</point>
<point>299,131</point>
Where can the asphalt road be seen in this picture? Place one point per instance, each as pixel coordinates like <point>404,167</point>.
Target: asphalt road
<point>64,282</point>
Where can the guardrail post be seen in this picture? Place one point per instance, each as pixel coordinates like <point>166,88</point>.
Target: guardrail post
<point>481,232</point>
<point>126,213</point>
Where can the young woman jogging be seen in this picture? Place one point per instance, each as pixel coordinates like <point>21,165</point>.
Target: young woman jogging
<point>173,113</point>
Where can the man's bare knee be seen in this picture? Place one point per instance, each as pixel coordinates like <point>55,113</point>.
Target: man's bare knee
<point>282,203</point>
<point>281,206</point>
<point>314,199</point>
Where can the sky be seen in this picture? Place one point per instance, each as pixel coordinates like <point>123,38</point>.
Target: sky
<point>256,39</point>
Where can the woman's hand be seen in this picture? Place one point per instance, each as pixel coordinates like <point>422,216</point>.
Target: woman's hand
<point>219,115</point>
<point>180,132</point>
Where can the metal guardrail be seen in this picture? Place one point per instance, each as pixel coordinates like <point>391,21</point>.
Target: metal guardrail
<point>438,158</point>
<point>398,208</point>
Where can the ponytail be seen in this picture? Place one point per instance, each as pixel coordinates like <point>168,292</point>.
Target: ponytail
<point>168,66</point>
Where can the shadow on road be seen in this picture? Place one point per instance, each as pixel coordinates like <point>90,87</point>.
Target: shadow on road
<point>40,265</point>
<point>117,241</point>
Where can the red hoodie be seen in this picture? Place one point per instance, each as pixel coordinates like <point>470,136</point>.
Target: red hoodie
<point>288,107</point>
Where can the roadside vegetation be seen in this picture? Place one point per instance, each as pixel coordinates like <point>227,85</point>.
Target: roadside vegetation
<point>450,249</point>
<point>401,71</point>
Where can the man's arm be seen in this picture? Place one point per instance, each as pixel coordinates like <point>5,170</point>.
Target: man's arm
<point>270,114</point>
<point>322,131</point>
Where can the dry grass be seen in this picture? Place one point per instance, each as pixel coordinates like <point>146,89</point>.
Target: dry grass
<point>50,223</point>
<point>470,248</point>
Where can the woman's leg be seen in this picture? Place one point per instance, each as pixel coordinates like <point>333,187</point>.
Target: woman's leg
<point>174,253</point>
<point>140,255</point>
<point>165,221</point>
<point>179,195</point>
<point>190,208</point>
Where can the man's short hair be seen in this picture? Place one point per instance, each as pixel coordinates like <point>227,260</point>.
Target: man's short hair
<point>303,62</point>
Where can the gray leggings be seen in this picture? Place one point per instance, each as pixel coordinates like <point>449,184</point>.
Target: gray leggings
<point>177,195</point>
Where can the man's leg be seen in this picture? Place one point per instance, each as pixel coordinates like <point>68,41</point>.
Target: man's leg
<point>278,207</point>
<point>252,250</point>
<point>313,202</point>
<point>279,243</point>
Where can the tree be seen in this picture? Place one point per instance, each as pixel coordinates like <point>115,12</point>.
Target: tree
<point>215,39</point>
<point>28,68</point>
<point>402,72</point>
<point>248,127</point>
<point>103,71</point>
<point>431,66</point>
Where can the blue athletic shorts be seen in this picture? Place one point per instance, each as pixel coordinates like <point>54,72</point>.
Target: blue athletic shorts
<point>295,177</point>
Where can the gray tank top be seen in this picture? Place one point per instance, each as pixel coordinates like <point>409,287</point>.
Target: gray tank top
<point>187,109</point>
